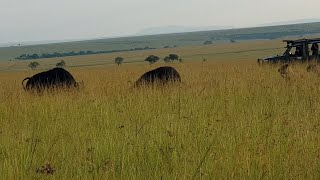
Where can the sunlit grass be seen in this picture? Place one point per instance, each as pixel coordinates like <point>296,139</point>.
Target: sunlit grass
<point>226,120</point>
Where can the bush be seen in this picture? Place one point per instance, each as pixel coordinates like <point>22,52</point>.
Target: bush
<point>152,59</point>
<point>118,60</point>
<point>207,43</point>
<point>33,65</point>
<point>171,58</point>
<point>167,59</point>
<point>61,64</point>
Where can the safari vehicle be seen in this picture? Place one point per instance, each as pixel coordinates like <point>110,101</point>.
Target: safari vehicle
<point>297,50</point>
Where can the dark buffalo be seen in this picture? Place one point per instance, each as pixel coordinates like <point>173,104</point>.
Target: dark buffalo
<point>161,76</point>
<point>54,78</point>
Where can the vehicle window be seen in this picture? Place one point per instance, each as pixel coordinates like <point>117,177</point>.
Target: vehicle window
<point>296,51</point>
<point>314,48</point>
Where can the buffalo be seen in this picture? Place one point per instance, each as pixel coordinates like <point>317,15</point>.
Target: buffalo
<point>52,79</point>
<point>160,76</point>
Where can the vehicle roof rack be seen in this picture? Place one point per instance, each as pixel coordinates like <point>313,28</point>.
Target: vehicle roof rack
<point>301,40</point>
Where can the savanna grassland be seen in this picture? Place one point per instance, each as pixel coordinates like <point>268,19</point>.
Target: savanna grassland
<point>239,51</point>
<point>227,120</point>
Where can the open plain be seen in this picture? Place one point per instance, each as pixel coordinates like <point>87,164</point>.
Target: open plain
<point>229,119</point>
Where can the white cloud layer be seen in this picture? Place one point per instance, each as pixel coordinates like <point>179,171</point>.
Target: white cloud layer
<point>34,20</point>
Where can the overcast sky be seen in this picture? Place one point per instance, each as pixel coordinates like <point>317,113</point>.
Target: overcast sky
<point>35,20</point>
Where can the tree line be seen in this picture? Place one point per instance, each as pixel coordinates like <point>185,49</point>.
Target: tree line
<point>119,60</point>
<point>72,53</point>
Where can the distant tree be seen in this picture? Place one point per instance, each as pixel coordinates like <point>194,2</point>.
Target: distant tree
<point>166,47</point>
<point>172,57</point>
<point>152,59</point>
<point>89,52</point>
<point>232,40</point>
<point>207,42</point>
<point>204,59</point>
<point>118,60</point>
<point>33,65</point>
<point>21,57</point>
<point>34,56</point>
<point>61,64</point>
<point>167,59</point>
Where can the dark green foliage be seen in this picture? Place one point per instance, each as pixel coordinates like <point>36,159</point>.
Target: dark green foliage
<point>207,43</point>
<point>172,57</point>
<point>72,53</point>
<point>152,59</point>
<point>33,65</point>
<point>118,60</point>
<point>167,59</point>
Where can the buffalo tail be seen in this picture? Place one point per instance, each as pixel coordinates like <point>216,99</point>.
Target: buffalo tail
<point>24,87</point>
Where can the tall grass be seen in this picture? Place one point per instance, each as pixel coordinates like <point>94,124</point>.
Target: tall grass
<point>226,120</point>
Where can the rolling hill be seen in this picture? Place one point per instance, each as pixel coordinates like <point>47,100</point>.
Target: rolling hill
<point>165,40</point>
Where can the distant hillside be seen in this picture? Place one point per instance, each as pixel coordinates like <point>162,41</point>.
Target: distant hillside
<point>165,40</point>
<point>300,21</point>
<point>178,29</point>
<point>30,43</point>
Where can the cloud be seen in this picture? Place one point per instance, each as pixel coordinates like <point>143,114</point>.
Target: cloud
<point>35,20</point>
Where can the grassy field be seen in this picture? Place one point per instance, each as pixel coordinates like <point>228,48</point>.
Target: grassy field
<point>248,50</point>
<point>227,120</point>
